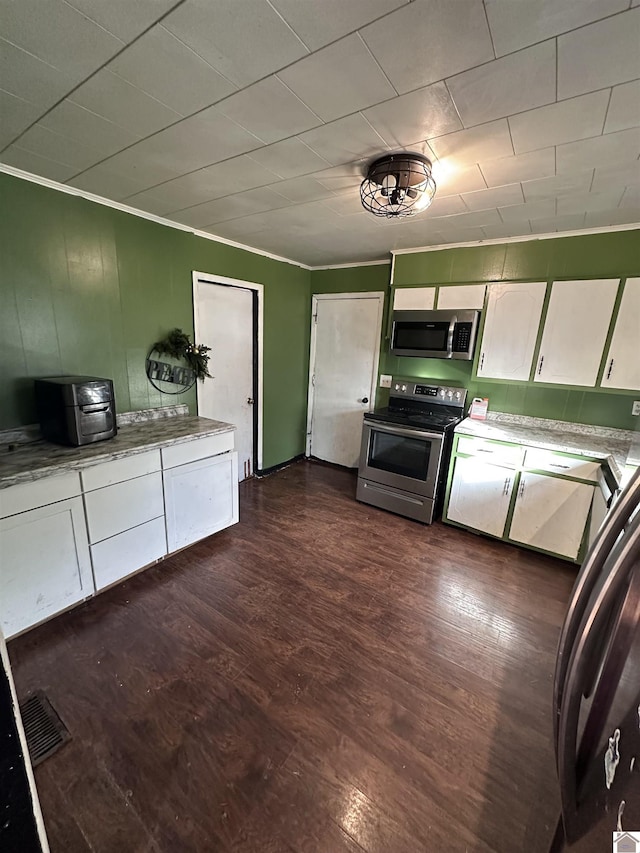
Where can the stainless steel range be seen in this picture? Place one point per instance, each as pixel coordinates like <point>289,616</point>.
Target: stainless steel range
<point>406,446</point>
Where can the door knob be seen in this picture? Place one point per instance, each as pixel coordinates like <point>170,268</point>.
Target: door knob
<point>365,399</point>
<point>250,401</point>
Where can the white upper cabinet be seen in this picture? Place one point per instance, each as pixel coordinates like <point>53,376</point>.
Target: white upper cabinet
<point>575,331</point>
<point>622,367</point>
<point>464,296</point>
<point>510,330</point>
<point>414,298</point>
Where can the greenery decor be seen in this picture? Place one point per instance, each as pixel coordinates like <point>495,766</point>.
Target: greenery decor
<point>178,345</point>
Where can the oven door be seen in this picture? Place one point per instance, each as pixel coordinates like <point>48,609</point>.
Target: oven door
<point>406,458</point>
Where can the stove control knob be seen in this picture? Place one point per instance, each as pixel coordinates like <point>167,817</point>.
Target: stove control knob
<point>404,387</point>
<point>457,395</point>
<point>442,392</point>
<point>449,394</point>
<point>397,388</point>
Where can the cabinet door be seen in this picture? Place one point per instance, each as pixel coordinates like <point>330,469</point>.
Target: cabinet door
<point>200,499</point>
<point>575,331</point>
<point>480,495</point>
<point>622,368</point>
<point>551,514</point>
<point>44,565</point>
<point>414,298</point>
<point>461,296</point>
<point>510,330</point>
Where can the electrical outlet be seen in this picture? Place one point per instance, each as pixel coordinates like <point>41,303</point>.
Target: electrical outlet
<point>385,380</point>
<point>635,409</point>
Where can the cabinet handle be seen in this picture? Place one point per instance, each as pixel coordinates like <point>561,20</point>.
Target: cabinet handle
<point>481,360</point>
<point>558,465</point>
<point>483,450</point>
<point>507,483</point>
<point>540,366</point>
<point>610,369</point>
<point>521,491</point>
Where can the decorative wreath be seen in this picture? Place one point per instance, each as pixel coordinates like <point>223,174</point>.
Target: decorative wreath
<point>178,345</point>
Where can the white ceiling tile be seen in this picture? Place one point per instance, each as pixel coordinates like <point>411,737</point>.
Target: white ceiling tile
<point>446,206</point>
<point>30,162</point>
<point>136,164</point>
<point>507,229</point>
<point>521,81</point>
<point>517,24</point>
<point>494,197</point>
<point>555,124</point>
<point>558,185</point>
<point>17,115</point>
<point>244,41</point>
<point>59,35</point>
<point>105,182</point>
<point>62,149</point>
<point>269,110</point>
<point>451,180</point>
<point>231,207</point>
<point>339,178</point>
<point>124,19</point>
<point>423,42</point>
<point>344,140</point>
<point>339,79</point>
<point>613,148</point>
<point>289,158</point>
<point>336,18</point>
<point>607,200</point>
<point>532,210</point>
<point>522,167</point>
<point>623,174</point>
<point>29,78</point>
<point>121,102</point>
<point>624,108</point>
<point>548,225</point>
<point>604,218</point>
<point>156,201</point>
<point>92,130</point>
<point>476,218</point>
<point>346,204</point>
<point>459,235</point>
<point>428,112</point>
<point>631,197</point>
<point>158,63</point>
<point>599,55</point>
<point>302,189</point>
<point>465,147</point>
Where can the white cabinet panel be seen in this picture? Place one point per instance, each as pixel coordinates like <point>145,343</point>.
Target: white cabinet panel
<point>414,298</point>
<point>199,448</point>
<point>200,498</point>
<point>567,466</point>
<point>480,495</point>
<point>622,368</point>
<point>119,556</point>
<point>510,330</point>
<point>44,564</point>
<point>25,496</point>
<point>119,470</point>
<point>551,513</point>
<point>117,508</point>
<point>491,451</point>
<point>462,296</point>
<point>575,331</point>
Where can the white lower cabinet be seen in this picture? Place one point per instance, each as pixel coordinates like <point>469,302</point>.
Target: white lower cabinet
<point>44,564</point>
<point>480,495</point>
<point>551,514</point>
<point>125,553</point>
<point>201,498</point>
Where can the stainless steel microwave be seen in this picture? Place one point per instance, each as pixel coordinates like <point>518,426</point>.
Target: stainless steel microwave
<point>434,334</point>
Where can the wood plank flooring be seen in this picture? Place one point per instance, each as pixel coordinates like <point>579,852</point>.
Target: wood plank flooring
<point>322,677</point>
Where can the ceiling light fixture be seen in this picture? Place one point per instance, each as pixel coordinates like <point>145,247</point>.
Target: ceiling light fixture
<point>398,185</point>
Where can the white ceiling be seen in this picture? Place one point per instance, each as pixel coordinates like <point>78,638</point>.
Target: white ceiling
<point>254,120</point>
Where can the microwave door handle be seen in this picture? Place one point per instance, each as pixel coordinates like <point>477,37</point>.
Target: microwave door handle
<point>452,326</point>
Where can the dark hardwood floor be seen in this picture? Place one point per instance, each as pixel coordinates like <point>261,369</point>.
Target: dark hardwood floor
<point>322,677</point>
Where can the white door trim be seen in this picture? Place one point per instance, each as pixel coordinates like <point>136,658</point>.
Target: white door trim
<point>316,297</point>
<point>208,278</point>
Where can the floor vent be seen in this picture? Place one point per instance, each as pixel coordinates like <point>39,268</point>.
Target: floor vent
<point>44,729</point>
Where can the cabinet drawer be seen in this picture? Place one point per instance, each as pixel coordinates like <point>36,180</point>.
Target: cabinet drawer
<point>570,466</point>
<point>25,496</point>
<point>119,470</point>
<point>491,451</point>
<point>124,505</point>
<point>119,556</point>
<point>199,448</point>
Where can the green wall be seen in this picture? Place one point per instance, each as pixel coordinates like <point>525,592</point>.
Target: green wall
<point>609,255</point>
<point>86,289</point>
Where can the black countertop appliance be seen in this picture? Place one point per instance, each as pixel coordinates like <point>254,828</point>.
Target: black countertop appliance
<point>76,410</point>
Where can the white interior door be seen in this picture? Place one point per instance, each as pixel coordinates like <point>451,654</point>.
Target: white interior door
<point>224,322</point>
<point>345,343</point>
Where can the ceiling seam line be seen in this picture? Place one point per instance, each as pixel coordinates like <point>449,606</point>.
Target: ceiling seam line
<point>486,17</point>
<point>377,62</point>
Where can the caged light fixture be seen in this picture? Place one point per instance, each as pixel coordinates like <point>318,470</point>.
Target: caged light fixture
<point>398,185</point>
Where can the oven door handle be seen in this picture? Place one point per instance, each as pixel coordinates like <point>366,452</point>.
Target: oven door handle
<point>452,326</point>
<point>411,433</point>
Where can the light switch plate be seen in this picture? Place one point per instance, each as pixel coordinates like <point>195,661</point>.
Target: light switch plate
<point>385,380</point>
<point>635,409</point>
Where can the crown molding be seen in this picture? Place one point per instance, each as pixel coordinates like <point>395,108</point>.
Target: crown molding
<point>353,264</point>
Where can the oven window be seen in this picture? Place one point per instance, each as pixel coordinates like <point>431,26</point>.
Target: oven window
<point>400,454</point>
<point>418,336</point>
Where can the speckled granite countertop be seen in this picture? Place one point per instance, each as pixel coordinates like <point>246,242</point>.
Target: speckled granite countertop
<point>42,459</point>
<point>605,443</point>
